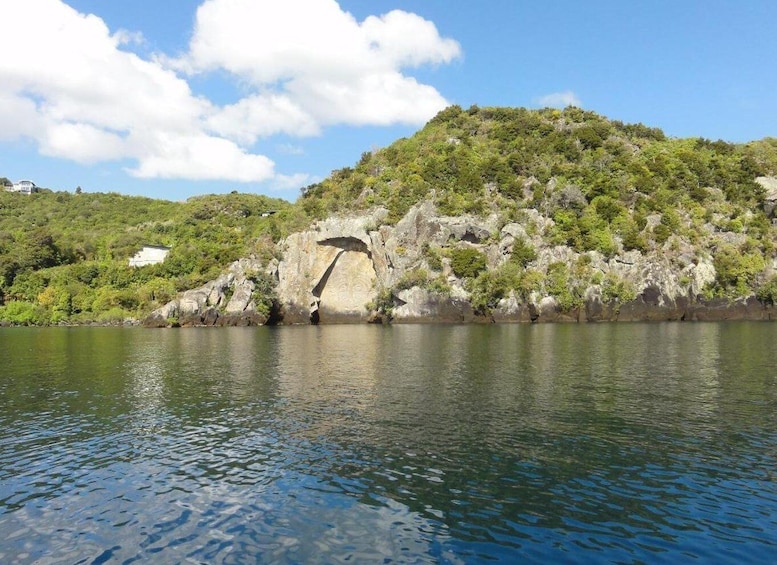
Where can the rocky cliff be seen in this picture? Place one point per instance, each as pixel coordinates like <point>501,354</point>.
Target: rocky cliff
<point>225,301</point>
<point>358,269</point>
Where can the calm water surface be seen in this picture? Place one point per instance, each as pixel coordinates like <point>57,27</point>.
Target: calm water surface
<point>573,443</point>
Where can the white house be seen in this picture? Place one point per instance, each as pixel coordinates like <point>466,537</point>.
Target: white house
<point>24,186</point>
<point>149,255</point>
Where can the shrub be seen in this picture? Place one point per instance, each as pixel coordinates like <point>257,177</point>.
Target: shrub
<point>767,293</point>
<point>559,285</point>
<point>523,252</point>
<point>617,289</point>
<point>414,277</point>
<point>433,258</point>
<point>492,286</point>
<point>467,262</point>
<point>23,313</point>
<point>735,271</point>
<point>264,292</point>
<point>383,303</point>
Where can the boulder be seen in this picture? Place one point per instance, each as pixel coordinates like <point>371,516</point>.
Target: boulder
<point>419,305</point>
<point>510,309</point>
<point>769,185</point>
<point>241,297</point>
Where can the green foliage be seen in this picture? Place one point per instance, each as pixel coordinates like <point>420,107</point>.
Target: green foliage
<point>415,277</point>
<point>23,314</point>
<point>264,294</point>
<point>558,284</point>
<point>615,289</point>
<point>736,272</point>
<point>66,255</point>
<point>467,262</point>
<point>767,292</point>
<point>383,303</point>
<point>433,258</point>
<point>523,252</point>
<point>492,286</point>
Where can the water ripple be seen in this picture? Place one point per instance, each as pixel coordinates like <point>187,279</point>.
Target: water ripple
<point>400,444</point>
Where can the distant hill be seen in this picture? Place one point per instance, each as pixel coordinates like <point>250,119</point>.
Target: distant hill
<point>64,257</point>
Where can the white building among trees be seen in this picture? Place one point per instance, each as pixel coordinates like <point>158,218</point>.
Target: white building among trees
<point>149,255</point>
<point>24,186</point>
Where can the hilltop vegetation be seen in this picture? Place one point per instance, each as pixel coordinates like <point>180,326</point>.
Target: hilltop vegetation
<point>571,162</point>
<point>589,184</point>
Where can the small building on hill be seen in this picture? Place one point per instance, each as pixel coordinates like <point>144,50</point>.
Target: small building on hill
<point>23,186</point>
<point>149,255</point>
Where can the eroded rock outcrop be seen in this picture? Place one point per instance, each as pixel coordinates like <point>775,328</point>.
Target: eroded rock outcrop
<point>769,184</point>
<point>225,301</point>
<point>328,274</point>
<point>357,269</point>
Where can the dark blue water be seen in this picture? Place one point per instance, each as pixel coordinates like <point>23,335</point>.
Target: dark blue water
<point>620,443</point>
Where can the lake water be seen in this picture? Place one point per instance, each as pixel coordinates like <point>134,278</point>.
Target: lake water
<point>405,444</point>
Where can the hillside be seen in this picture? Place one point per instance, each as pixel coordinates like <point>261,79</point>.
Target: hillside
<point>64,257</point>
<point>583,196</point>
<point>513,212</point>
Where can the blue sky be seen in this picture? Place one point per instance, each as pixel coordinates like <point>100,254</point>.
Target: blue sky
<point>179,98</point>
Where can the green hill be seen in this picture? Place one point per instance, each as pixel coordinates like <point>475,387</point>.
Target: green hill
<point>64,257</point>
<point>603,186</point>
<point>483,159</point>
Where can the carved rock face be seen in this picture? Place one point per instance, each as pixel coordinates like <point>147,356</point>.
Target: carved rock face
<point>349,287</point>
<point>326,279</point>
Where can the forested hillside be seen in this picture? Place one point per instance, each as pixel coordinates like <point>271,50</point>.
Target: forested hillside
<point>64,257</point>
<point>599,186</point>
<point>571,163</point>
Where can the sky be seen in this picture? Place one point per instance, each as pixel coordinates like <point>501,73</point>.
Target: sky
<point>181,98</point>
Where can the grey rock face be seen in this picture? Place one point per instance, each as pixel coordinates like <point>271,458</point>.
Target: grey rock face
<point>769,185</point>
<point>200,306</point>
<point>355,269</point>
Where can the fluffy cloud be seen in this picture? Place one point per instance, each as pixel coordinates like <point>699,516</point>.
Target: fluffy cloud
<point>559,100</point>
<point>303,65</point>
<point>311,64</point>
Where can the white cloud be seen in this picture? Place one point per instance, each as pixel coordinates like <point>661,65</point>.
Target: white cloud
<point>290,149</point>
<point>262,115</point>
<point>559,100</point>
<point>311,64</point>
<point>199,156</point>
<point>306,64</point>
<point>284,182</point>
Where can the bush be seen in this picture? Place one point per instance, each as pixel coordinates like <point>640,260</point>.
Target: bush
<point>736,272</point>
<point>23,313</point>
<point>433,258</point>
<point>415,277</point>
<point>523,252</point>
<point>617,289</point>
<point>264,293</point>
<point>467,262</point>
<point>492,286</point>
<point>767,293</point>
<point>559,285</point>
